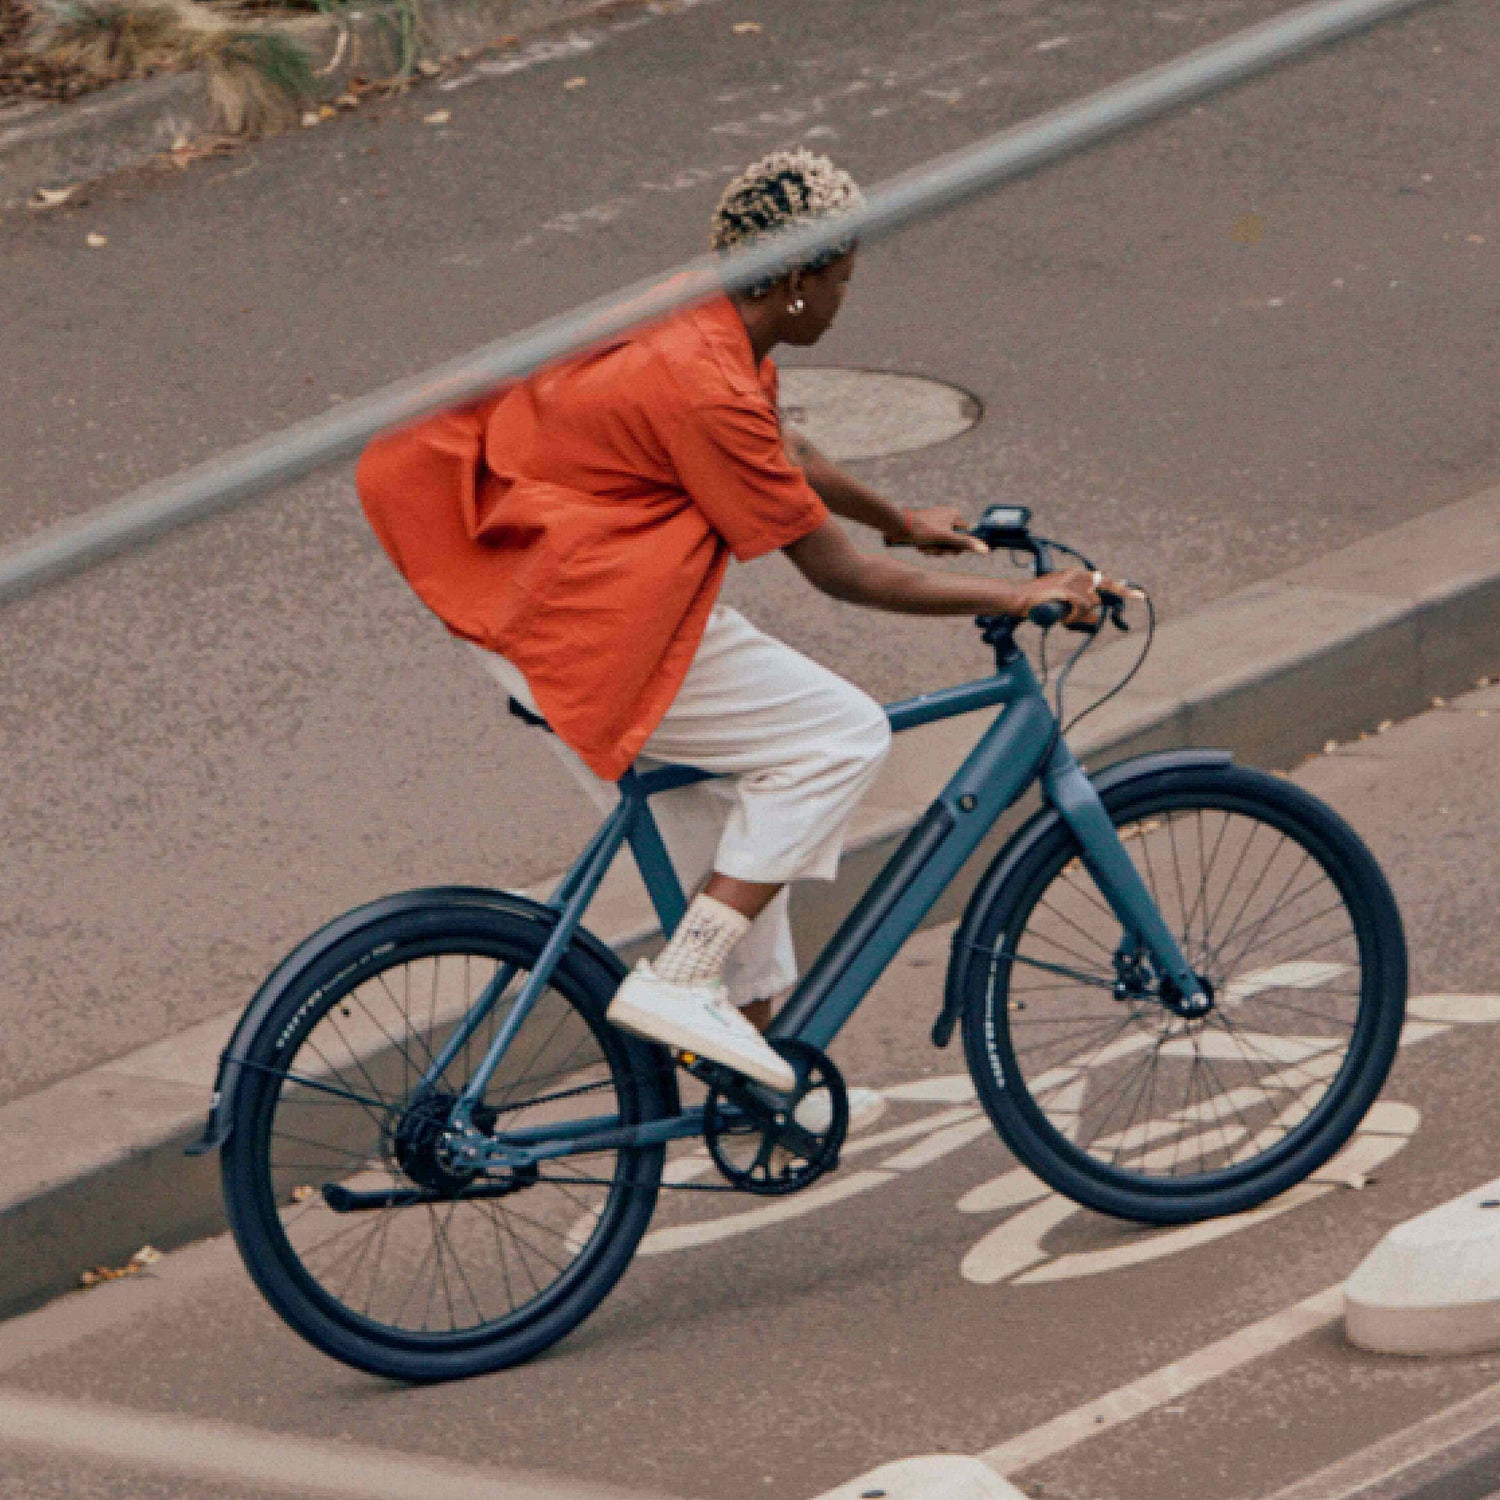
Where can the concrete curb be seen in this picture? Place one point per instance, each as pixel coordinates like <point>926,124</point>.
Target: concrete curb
<point>1432,1285</point>
<point>938,1476</point>
<point>128,124</point>
<point>93,1167</point>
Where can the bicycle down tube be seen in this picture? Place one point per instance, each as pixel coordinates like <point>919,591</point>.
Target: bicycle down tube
<point>1021,745</point>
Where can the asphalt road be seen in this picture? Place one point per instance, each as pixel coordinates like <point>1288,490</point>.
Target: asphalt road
<point>1235,340</point>
<point>917,1315</point>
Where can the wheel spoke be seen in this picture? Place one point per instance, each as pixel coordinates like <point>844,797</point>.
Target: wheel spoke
<point>419,1275</point>
<point>1188,1105</point>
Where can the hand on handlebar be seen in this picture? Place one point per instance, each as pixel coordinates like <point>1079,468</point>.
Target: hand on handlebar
<point>935,531</point>
<point>1077,598</point>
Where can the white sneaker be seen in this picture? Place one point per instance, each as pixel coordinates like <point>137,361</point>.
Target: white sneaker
<point>697,1018</point>
<point>815,1113</point>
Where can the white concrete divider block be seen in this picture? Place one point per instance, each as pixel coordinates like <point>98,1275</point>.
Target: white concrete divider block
<point>936,1476</point>
<point>1432,1285</point>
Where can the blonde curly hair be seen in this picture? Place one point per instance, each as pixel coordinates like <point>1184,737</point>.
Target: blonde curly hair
<point>781,190</point>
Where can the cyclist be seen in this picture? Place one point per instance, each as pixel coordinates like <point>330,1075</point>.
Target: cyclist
<point>576,528</point>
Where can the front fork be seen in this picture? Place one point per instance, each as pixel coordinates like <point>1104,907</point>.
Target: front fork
<point>1120,883</point>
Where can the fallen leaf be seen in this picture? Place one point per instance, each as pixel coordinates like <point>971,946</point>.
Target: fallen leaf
<point>1329,746</point>
<point>96,241</point>
<point>428,69</point>
<point>310,117</point>
<point>145,1257</point>
<point>746,28</point>
<point>1248,229</point>
<point>347,101</point>
<point>53,197</point>
<point>577,83</point>
<point>326,111</point>
<point>438,117</point>
<point>185,152</point>
<point>302,1193</point>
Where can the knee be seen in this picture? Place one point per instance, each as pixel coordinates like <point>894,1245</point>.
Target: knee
<point>865,737</point>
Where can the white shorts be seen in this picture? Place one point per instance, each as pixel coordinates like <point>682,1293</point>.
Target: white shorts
<point>798,747</point>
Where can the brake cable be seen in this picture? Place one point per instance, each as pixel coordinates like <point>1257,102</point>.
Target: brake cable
<point>1066,726</point>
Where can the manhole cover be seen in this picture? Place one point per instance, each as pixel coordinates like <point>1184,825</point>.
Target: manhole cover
<point>873,413</point>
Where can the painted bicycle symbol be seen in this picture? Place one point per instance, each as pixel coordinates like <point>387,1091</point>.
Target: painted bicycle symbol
<point>1015,1251</point>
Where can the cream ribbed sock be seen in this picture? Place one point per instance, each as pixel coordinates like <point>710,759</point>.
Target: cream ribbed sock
<point>697,950</point>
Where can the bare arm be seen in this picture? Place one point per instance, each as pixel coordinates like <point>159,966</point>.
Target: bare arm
<point>933,530</point>
<point>834,566</point>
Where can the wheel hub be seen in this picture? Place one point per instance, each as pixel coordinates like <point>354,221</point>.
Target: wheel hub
<point>1189,1007</point>
<point>1134,980</point>
<point>420,1145</point>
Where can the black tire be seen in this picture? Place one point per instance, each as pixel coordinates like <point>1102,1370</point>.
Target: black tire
<point>1098,1095</point>
<point>492,1281</point>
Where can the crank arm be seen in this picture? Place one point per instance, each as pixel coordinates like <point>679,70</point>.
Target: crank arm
<point>751,1101</point>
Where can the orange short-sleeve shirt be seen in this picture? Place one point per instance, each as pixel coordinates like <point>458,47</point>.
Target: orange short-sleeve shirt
<point>580,522</point>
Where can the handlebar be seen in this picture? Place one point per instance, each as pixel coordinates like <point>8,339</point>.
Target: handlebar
<point>1009,527</point>
<point>1045,616</point>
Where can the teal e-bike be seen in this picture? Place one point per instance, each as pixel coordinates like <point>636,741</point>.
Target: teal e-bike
<point>1180,987</point>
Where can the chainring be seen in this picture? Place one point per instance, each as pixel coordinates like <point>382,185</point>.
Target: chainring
<point>752,1132</point>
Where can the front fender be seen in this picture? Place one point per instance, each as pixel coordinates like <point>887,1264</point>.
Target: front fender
<point>1031,833</point>
<point>232,1059</point>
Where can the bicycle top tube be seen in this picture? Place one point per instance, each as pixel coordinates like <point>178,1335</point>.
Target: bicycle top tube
<point>1003,686</point>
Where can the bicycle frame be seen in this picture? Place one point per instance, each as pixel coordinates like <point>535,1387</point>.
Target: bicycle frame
<point>1022,744</point>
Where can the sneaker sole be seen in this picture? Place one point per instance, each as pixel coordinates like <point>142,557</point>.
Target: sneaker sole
<point>653,1028</point>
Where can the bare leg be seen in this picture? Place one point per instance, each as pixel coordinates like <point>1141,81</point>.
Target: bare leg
<point>758,1013</point>
<point>748,897</point>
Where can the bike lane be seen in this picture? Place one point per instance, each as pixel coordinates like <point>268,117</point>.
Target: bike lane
<point>929,1296</point>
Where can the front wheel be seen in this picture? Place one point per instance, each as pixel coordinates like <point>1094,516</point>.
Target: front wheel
<point>1120,1101</point>
<point>358,1229</point>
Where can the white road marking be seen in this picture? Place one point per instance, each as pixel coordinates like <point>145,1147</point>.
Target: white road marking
<point>1306,975</point>
<point>1016,1245</point>
<point>249,1458</point>
<point>1009,1190</point>
<point>1465,1009</point>
<point>1401,1451</point>
<point>1012,1251</point>
<point>924,1126</point>
<point>1157,1246</point>
<point>937,1146</point>
<point>1168,1383</point>
<point>1247,1046</point>
<point>777,1211</point>
<point>955,1088</point>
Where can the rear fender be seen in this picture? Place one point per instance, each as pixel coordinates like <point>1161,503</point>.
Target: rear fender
<point>232,1060</point>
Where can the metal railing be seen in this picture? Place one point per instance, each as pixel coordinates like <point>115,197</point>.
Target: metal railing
<point>264,465</point>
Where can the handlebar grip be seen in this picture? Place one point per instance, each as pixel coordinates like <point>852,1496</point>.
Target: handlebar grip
<point>1048,615</point>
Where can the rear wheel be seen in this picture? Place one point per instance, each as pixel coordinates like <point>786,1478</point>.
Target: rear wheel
<point>350,1215</point>
<point>1129,1106</point>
